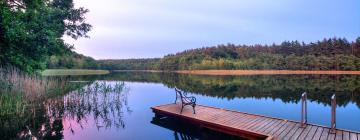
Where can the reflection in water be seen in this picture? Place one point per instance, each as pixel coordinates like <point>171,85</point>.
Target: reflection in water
<point>92,110</point>
<point>102,102</point>
<point>287,88</point>
<point>188,131</point>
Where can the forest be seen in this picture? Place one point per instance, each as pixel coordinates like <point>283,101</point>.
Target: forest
<point>32,31</point>
<point>71,60</point>
<point>129,64</point>
<point>327,54</point>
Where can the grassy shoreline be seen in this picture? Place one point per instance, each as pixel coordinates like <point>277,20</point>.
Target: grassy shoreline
<point>252,72</point>
<point>139,71</point>
<point>59,72</point>
<point>266,72</point>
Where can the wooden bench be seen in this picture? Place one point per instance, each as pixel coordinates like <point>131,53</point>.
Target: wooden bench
<point>185,100</point>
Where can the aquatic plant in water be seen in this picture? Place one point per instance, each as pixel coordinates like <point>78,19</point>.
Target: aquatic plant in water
<point>18,93</point>
<point>103,102</point>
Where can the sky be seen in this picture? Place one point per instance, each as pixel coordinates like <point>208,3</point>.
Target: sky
<point>153,28</point>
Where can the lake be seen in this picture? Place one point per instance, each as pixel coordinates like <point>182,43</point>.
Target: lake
<point>117,105</point>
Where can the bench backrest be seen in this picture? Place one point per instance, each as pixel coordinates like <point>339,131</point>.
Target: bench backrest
<point>180,94</point>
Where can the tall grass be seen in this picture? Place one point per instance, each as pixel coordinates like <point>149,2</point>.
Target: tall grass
<point>18,90</point>
<point>13,81</point>
<point>21,94</point>
<point>41,119</point>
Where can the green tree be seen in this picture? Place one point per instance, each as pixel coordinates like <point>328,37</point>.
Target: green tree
<point>32,31</point>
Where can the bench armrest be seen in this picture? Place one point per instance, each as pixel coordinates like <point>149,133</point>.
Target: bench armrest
<point>190,99</point>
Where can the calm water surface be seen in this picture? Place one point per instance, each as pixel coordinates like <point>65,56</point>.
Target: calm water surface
<point>124,112</point>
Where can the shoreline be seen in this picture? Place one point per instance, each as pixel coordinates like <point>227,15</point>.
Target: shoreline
<point>56,72</point>
<point>155,71</point>
<point>267,72</point>
<point>64,72</point>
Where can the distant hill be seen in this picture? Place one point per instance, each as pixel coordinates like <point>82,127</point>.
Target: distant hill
<point>129,64</point>
<point>71,60</point>
<point>328,54</point>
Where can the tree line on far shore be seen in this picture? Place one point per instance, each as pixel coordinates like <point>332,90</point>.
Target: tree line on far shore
<point>71,60</point>
<point>328,54</point>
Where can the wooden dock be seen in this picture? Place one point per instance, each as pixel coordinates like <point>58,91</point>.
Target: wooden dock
<point>252,126</point>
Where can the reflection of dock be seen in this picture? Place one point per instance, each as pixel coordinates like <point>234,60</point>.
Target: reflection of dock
<point>180,131</point>
<point>252,126</point>
<point>185,131</point>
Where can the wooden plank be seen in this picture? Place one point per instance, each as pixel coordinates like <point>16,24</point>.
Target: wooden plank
<point>245,122</point>
<point>339,135</point>
<point>271,124</point>
<point>331,135</point>
<point>311,133</point>
<point>260,125</point>
<point>353,136</point>
<point>239,120</point>
<point>325,134</point>
<point>251,123</point>
<point>278,132</point>
<point>297,133</point>
<point>318,133</point>
<point>305,132</point>
<point>292,131</point>
<point>211,115</point>
<point>286,130</point>
<point>223,117</point>
<point>265,125</point>
<point>269,127</point>
<point>280,128</point>
<point>200,112</point>
<point>346,135</point>
<point>231,119</point>
<point>235,117</point>
<point>276,126</point>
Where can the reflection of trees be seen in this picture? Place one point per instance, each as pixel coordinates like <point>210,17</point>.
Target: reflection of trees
<point>288,88</point>
<point>105,102</point>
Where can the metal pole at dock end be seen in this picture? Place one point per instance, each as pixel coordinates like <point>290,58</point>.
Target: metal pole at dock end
<point>303,110</point>
<point>333,113</point>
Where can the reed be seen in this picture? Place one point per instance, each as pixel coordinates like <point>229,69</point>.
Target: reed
<point>32,86</point>
<point>18,90</point>
<point>21,94</point>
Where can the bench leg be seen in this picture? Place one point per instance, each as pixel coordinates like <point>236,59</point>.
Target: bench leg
<point>194,107</point>
<point>182,107</point>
